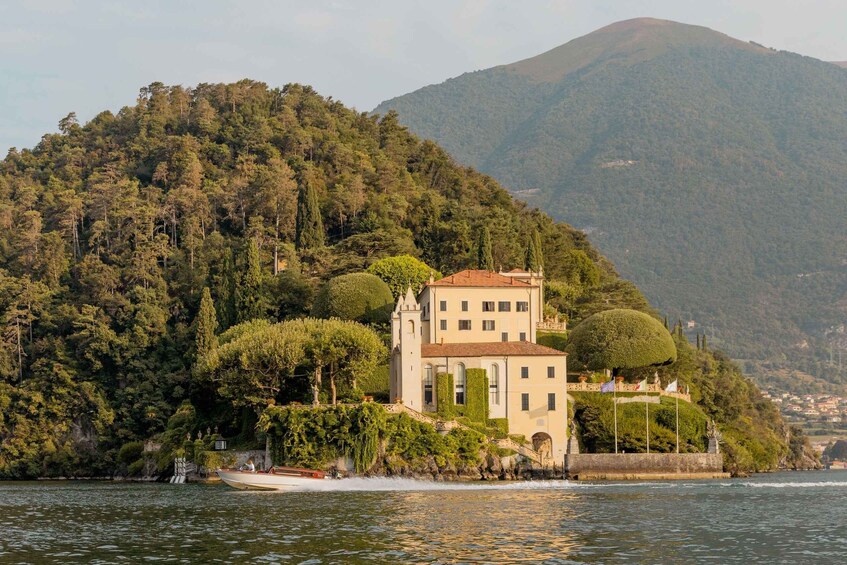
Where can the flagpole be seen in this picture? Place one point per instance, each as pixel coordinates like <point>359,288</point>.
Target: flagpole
<point>647,420</point>
<point>676,395</point>
<point>615,403</point>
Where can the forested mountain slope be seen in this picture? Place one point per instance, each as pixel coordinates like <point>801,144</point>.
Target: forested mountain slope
<point>711,171</point>
<point>110,231</point>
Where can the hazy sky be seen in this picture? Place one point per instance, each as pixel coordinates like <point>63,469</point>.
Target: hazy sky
<point>60,56</point>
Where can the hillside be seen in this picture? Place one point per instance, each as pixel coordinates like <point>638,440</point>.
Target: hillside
<point>110,231</point>
<point>711,171</point>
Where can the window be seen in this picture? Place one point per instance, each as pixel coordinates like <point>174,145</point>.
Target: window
<point>494,384</point>
<point>459,371</point>
<point>522,336</point>
<point>464,324</point>
<point>504,336</point>
<point>551,401</point>
<point>464,305</point>
<point>525,401</point>
<point>524,372</point>
<point>488,306</point>
<point>551,372</point>
<point>410,327</point>
<point>522,306</point>
<point>442,305</point>
<point>427,385</point>
<point>504,306</point>
<point>443,324</point>
<point>488,325</point>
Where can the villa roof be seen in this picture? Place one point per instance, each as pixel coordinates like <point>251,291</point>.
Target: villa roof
<point>494,348</point>
<point>480,278</point>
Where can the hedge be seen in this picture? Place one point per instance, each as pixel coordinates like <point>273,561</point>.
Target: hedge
<point>445,400</point>
<point>476,395</point>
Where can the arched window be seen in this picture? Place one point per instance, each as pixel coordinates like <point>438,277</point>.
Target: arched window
<point>459,376</point>
<point>427,385</point>
<point>494,384</point>
<point>410,327</point>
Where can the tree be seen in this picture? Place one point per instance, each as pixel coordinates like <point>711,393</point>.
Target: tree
<point>531,262</point>
<point>309,227</point>
<point>205,325</point>
<point>362,297</point>
<point>249,299</point>
<point>484,258</point>
<point>401,272</point>
<point>621,339</point>
<point>539,249</point>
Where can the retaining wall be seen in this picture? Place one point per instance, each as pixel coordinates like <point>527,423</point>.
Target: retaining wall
<point>626,466</point>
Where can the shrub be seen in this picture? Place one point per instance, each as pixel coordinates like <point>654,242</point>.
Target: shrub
<point>401,272</point>
<point>476,395</point>
<point>361,297</point>
<point>444,398</point>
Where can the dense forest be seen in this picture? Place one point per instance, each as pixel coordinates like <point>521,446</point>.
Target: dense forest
<point>711,171</point>
<point>111,233</point>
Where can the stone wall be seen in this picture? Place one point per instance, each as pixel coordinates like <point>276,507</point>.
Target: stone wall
<point>623,466</point>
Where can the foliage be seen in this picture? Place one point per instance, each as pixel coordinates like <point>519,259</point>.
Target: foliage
<point>484,258</point>
<point>267,363</point>
<point>402,272</point>
<point>617,339</point>
<point>836,451</point>
<point>355,296</point>
<point>310,229</point>
<point>376,383</point>
<point>595,420</point>
<point>445,400</point>
<point>501,425</point>
<point>555,340</point>
<point>722,237</point>
<point>205,325</point>
<point>476,395</point>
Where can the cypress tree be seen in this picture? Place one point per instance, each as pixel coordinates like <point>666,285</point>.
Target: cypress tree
<point>309,225</point>
<point>539,250</point>
<point>698,342</point>
<point>666,323</point>
<point>248,294</point>
<point>484,258</point>
<point>531,262</point>
<point>703,342</point>
<point>205,325</point>
<point>225,283</point>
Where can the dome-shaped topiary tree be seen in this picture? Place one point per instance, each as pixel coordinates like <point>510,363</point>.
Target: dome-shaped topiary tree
<point>361,297</point>
<point>621,339</point>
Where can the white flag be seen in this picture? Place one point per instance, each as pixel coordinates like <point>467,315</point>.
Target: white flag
<point>673,387</point>
<point>642,385</point>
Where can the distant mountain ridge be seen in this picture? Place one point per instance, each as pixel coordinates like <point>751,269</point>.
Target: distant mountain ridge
<point>710,170</point>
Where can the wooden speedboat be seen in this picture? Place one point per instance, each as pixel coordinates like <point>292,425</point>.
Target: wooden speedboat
<point>276,478</point>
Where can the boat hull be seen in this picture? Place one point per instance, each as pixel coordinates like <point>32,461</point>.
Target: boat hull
<point>245,480</point>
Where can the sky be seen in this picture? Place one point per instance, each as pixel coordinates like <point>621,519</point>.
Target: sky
<point>85,56</point>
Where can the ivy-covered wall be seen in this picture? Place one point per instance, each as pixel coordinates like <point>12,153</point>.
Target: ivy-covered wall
<point>316,436</point>
<point>445,399</point>
<point>476,395</point>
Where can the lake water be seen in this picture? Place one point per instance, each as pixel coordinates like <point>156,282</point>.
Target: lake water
<point>775,518</point>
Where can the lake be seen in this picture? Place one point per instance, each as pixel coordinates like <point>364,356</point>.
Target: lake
<point>774,518</point>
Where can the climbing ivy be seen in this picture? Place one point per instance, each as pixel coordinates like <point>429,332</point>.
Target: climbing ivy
<point>445,402</point>
<point>476,396</point>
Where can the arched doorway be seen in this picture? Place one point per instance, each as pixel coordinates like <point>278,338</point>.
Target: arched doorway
<point>543,445</point>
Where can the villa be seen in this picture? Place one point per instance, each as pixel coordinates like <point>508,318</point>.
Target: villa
<point>478,319</point>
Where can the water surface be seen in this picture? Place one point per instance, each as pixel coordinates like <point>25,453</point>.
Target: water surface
<point>776,518</point>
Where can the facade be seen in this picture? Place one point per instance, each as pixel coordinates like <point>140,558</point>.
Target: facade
<point>478,319</point>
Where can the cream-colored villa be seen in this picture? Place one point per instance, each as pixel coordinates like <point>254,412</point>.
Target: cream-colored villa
<point>479,319</point>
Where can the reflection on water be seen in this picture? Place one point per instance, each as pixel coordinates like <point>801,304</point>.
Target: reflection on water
<point>784,518</point>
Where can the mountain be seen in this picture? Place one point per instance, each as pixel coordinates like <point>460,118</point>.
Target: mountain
<point>710,170</point>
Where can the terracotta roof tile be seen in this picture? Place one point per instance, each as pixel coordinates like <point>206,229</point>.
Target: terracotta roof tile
<point>517,348</point>
<point>479,278</point>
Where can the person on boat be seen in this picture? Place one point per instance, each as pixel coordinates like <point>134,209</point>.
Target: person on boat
<point>249,466</point>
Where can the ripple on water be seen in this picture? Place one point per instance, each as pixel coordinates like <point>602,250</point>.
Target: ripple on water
<point>776,518</point>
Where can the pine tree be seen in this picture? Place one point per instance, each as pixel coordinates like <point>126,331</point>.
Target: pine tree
<point>309,227</point>
<point>531,261</point>
<point>249,301</point>
<point>205,325</point>
<point>484,258</point>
